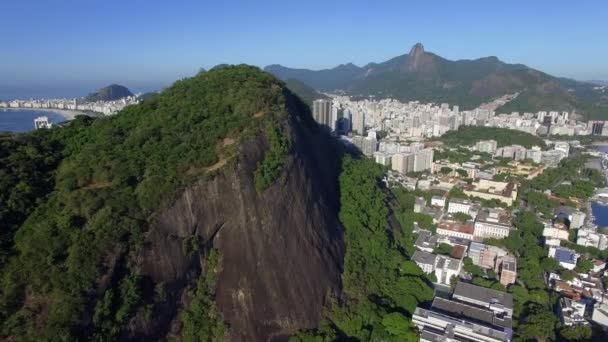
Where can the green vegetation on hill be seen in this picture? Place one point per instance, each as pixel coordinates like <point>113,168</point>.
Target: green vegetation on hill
<point>202,321</point>
<point>112,92</point>
<point>381,286</point>
<point>469,135</point>
<point>269,168</point>
<point>75,197</point>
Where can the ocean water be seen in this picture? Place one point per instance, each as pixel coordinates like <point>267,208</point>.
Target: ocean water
<point>22,120</point>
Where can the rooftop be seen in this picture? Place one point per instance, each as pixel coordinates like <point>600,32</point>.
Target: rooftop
<point>479,315</point>
<point>424,258</point>
<point>494,216</point>
<point>482,294</point>
<point>426,240</point>
<point>445,262</point>
<point>459,201</point>
<point>509,263</point>
<point>478,328</point>
<point>565,255</point>
<point>466,228</point>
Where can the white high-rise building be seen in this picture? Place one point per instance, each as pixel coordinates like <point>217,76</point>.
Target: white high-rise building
<point>358,122</point>
<point>413,162</point>
<point>321,112</point>
<point>334,118</point>
<point>347,118</point>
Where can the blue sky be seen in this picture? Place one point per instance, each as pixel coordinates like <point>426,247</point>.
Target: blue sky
<point>69,44</point>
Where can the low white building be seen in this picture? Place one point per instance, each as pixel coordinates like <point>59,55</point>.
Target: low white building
<point>556,231</point>
<point>446,268</point>
<point>493,223</point>
<point>425,260</point>
<point>458,205</point>
<point>438,201</point>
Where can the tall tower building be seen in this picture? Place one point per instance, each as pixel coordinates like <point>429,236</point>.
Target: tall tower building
<point>358,122</point>
<point>596,127</point>
<point>322,112</point>
<point>347,120</point>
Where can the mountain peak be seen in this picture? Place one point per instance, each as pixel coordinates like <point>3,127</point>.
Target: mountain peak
<point>419,61</point>
<point>417,50</point>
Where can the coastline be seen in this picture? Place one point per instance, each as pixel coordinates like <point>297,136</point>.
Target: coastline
<point>67,114</point>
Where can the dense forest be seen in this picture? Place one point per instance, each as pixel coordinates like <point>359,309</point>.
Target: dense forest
<point>381,285</point>
<point>73,197</point>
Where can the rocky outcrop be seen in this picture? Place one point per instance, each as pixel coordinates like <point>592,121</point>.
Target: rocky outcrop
<point>281,250</point>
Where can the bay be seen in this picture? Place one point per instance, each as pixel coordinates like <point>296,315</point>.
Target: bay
<point>22,120</point>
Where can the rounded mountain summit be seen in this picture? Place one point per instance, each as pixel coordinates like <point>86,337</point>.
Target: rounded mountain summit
<point>112,92</point>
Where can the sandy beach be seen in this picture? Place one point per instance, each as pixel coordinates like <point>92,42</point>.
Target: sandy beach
<point>66,113</point>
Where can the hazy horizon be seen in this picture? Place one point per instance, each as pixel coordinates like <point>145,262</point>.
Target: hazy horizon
<point>145,46</point>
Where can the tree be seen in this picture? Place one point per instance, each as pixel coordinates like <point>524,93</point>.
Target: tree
<point>462,173</point>
<point>462,217</point>
<point>443,249</point>
<point>445,170</point>
<point>577,333</point>
<point>539,323</point>
<point>584,266</point>
<point>549,265</point>
<point>472,269</point>
<point>399,326</point>
<point>456,192</point>
<point>453,282</point>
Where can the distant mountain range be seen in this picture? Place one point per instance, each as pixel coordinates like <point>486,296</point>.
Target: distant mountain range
<point>598,82</point>
<point>424,76</point>
<point>112,92</point>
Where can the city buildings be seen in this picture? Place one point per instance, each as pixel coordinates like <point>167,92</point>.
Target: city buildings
<point>425,260</point>
<point>358,120</point>
<point>493,223</point>
<point>459,205</point>
<point>507,268</point>
<point>567,258</point>
<point>413,162</point>
<point>472,314</point>
<point>367,145</point>
<point>456,229</point>
<point>571,312</point>
<point>492,190</point>
<point>322,112</point>
<point>102,107</point>
<point>485,256</point>
<point>487,146</point>
<point>426,241</point>
<point>557,231</point>
<point>446,269</point>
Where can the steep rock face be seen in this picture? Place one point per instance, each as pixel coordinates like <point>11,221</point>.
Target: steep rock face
<point>281,249</point>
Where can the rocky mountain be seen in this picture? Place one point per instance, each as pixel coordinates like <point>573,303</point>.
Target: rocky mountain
<point>424,76</point>
<point>112,92</point>
<point>207,212</point>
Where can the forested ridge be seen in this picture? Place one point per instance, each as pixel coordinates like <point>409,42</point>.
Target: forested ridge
<point>381,285</point>
<point>74,198</point>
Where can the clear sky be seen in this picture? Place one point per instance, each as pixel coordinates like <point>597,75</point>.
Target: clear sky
<point>75,44</point>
